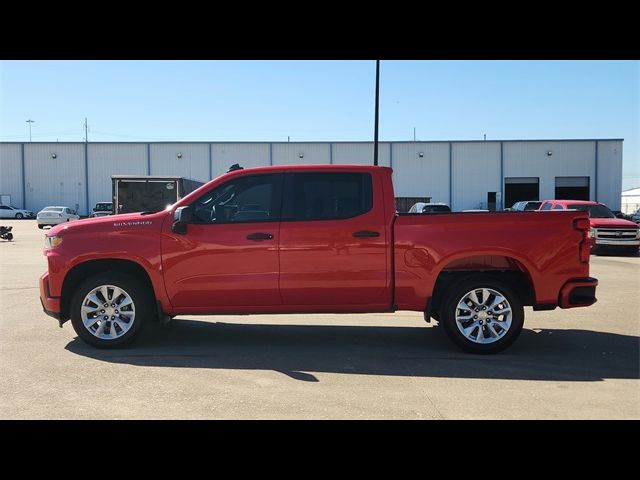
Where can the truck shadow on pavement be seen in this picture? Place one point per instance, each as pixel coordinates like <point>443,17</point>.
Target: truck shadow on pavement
<point>299,350</point>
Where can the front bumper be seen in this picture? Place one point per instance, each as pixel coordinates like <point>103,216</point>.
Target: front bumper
<point>619,243</point>
<point>50,305</point>
<point>579,292</point>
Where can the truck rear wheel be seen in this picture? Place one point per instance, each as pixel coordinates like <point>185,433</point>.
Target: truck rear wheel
<point>109,309</point>
<point>482,315</point>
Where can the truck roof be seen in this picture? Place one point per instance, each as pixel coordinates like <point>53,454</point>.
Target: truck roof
<point>302,168</point>
<point>578,202</point>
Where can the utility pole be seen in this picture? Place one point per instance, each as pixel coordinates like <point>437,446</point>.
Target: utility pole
<point>375,134</point>
<point>414,134</point>
<point>30,122</point>
<point>86,129</point>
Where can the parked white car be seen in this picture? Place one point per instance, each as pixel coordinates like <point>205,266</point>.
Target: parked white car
<point>7,211</point>
<point>55,215</point>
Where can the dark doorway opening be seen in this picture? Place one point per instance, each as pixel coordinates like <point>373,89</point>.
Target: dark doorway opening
<point>518,189</point>
<point>491,201</point>
<point>572,188</point>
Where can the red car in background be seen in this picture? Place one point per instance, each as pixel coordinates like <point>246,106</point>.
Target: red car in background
<point>607,231</point>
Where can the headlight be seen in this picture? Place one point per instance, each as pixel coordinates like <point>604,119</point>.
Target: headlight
<point>52,241</point>
<point>638,233</point>
<point>592,232</point>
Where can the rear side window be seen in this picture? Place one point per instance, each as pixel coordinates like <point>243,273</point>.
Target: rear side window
<point>546,206</point>
<point>327,196</point>
<point>558,207</point>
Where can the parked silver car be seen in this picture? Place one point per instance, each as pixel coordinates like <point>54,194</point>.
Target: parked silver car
<point>8,211</point>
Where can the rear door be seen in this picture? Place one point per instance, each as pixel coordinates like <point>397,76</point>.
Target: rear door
<point>333,241</point>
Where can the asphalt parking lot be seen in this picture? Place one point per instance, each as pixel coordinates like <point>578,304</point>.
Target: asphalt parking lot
<point>567,364</point>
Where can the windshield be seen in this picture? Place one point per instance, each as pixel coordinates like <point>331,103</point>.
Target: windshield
<point>103,207</point>
<point>595,211</point>
<point>53,209</point>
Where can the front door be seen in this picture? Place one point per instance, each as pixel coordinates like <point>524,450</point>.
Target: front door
<point>332,242</point>
<point>229,255</point>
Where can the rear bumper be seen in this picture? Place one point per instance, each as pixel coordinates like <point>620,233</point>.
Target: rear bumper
<point>578,293</point>
<point>50,305</point>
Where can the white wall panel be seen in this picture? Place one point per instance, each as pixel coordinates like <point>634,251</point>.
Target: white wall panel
<point>246,154</point>
<point>194,162</point>
<point>11,172</point>
<point>289,153</point>
<point>567,159</point>
<point>610,173</point>
<point>55,181</point>
<point>360,154</point>
<point>106,159</point>
<point>428,176</point>
<point>476,171</point>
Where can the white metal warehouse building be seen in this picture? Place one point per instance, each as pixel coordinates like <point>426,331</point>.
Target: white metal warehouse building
<point>463,174</point>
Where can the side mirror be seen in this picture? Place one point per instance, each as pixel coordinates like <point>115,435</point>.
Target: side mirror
<point>181,218</point>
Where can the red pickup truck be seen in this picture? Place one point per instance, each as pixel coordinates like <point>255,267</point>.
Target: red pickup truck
<point>314,239</point>
<point>607,231</point>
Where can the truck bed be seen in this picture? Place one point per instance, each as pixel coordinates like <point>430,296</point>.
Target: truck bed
<point>542,245</point>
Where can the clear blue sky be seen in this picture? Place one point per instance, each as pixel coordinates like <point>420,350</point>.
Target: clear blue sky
<point>323,100</point>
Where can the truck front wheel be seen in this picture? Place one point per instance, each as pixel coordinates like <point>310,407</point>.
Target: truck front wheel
<point>109,309</point>
<point>482,315</point>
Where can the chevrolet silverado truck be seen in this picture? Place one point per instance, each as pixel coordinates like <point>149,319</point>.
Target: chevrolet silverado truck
<point>314,239</point>
<point>607,231</point>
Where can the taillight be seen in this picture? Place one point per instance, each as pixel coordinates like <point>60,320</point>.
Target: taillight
<point>583,225</point>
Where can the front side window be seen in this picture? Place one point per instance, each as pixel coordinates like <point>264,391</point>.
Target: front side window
<point>329,196</point>
<point>246,199</point>
<point>546,206</point>
<point>558,207</point>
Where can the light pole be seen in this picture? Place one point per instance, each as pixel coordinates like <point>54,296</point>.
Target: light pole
<point>375,134</point>
<point>30,122</point>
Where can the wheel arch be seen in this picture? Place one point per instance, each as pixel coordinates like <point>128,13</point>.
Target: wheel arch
<point>91,267</point>
<point>505,268</point>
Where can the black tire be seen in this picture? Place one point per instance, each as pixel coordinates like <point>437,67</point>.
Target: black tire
<point>455,295</point>
<point>19,216</point>
<point>139,293</point>
<point>40,227</point>
<point>9,236</point>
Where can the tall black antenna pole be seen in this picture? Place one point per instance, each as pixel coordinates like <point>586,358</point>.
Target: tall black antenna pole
<point>375,135</point>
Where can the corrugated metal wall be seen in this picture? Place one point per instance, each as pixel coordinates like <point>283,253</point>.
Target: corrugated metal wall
<point>290,153</point>
<point>475,166</point>
<point>426,176</point>
<point>360,154</point>
<point>610,173</point>
<point>55,181</point>
<point>106,159</point>
<point>476,171</point>
<point>193,163</point>
<point>246,154</point>
<point>11,172</point>
<point>567,159</point>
